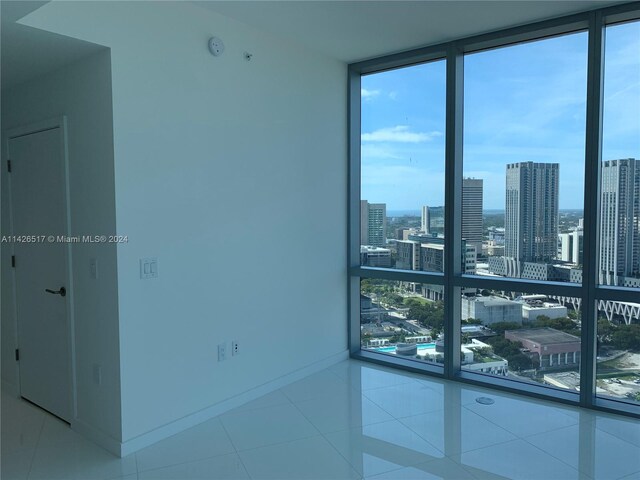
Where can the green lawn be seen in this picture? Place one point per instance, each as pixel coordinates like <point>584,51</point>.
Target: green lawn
<point>620,374</point>
<point>422,300</point>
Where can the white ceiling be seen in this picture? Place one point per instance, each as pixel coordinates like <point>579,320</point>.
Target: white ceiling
<point>345,30</point>
<point>27,52</point>
<point>357,30</point>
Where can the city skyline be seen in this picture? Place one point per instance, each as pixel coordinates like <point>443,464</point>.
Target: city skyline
<point>522,103</point>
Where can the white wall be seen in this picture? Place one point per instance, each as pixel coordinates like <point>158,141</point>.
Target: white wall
<point>82,92</point>
<point>233,174</point>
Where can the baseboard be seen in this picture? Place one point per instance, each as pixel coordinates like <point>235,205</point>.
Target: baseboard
<point>10,389</point>
<point>177,426</point>
<point>96,436</point>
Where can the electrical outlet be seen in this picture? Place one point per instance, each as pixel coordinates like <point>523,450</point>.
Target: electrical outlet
<point>222,352</point>
<point>234,348</point>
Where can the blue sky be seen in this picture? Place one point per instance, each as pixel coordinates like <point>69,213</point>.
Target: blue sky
<point>522,103</point>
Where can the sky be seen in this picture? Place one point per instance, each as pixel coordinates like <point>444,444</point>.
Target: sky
<point>521,103</point>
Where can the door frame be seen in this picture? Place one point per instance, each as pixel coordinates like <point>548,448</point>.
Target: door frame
<point>59,122</point>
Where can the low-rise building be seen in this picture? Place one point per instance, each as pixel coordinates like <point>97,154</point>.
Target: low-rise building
<point>375,256</point>
<point>492,249</point>
<point>551,272</point>
<point>530,313</point>
<point>479,357</point>
<point>535,306</point>
<point>496,235</point>
<point>549,347</point>
<point>491,310</point>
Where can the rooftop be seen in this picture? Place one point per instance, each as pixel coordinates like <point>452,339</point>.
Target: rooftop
<point>492,301</point>
<point>371,249</point>
<point>545,335</point>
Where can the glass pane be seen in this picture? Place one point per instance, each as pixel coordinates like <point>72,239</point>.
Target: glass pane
<point>402,183</point>
<point>402,318</point>
<point>524,136</point>
<point>618,360</point>
<point>524,337</point>
<point>620,172</point>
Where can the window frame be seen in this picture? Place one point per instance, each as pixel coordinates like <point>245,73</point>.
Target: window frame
<point>594,22</point>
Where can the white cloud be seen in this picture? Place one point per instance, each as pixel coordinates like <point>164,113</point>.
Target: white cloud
<point>380,151</point>
<point>393,95</point>
<point>399,133</point>
<point>368,94</point>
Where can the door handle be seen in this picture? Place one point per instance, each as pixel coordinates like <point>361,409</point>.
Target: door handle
<point>62,292</point>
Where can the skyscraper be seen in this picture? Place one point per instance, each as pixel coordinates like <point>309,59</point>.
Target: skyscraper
<point>432,219</point>
<point>373,224</point>
<point>620,221</point>
<point>472,212</point>
<point>424,219</point>
<point>531,214</point>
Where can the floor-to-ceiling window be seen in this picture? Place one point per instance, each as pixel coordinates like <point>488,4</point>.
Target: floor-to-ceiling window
<point>495,209</point>
<point>402,209</point>
<point>618,260</point>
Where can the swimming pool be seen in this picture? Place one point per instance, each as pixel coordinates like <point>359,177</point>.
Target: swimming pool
<point>392,349</point>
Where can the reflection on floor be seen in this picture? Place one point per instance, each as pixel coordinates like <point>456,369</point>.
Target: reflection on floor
<point>353,420</point>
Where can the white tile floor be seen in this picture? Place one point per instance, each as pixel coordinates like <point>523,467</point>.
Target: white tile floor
<point>353,420</point>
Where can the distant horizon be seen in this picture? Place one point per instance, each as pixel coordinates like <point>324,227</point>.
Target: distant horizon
<point>418,213</point>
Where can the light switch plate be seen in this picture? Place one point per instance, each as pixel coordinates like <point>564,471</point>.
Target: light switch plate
<point>149,267</point>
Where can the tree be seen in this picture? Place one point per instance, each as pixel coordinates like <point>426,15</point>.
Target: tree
<point>503,347</point>
<point>398,337</point>
<point>510,351</point>
<point>409,302</point>
<point>392,299</point>
<point>520,362</point>
<point>626,337</point>
<point>573,315</point>
<point>605,330</point>
<point>563,324</point>
<point>472,321</point>
<point>500,327</point>
<point>430,315</point>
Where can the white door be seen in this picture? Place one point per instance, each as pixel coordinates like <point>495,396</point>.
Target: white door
<point>39,212</point>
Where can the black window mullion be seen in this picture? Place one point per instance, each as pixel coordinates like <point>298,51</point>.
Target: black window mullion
<point>453,209</point>
<point>593,153</point>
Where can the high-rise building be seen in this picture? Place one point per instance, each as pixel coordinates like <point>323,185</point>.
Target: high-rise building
<point>472,212</point>
<point>531,214</point>
<point>373,224</point>
<point>620,221</point>
<point>424,219</point>
<point>571,246</point>
<point>432,219</point>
